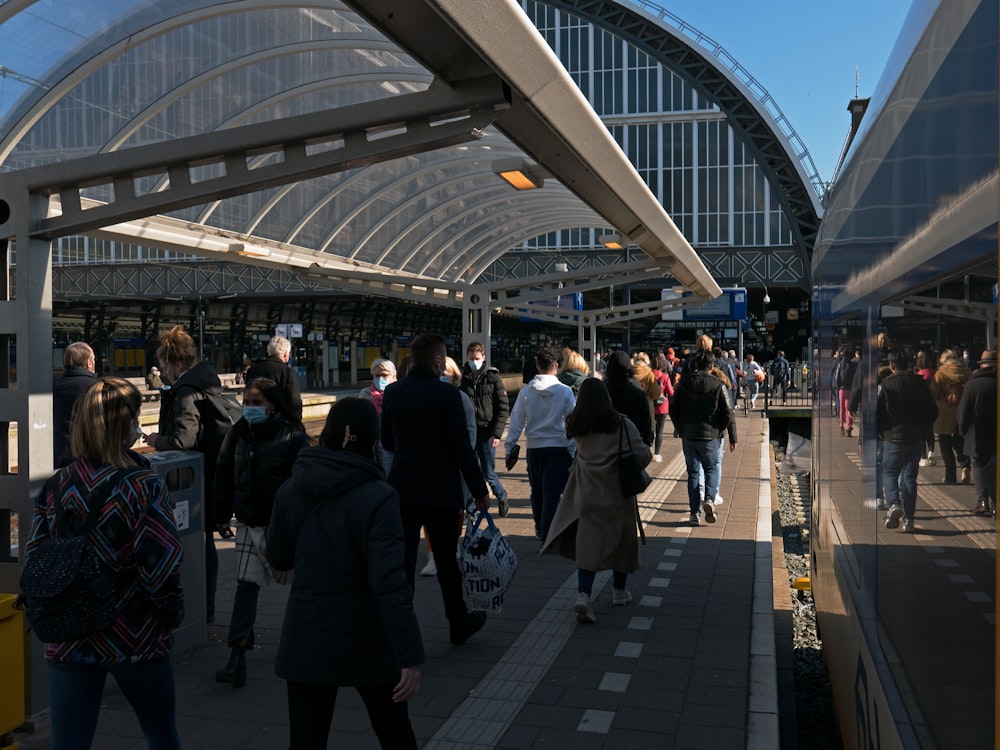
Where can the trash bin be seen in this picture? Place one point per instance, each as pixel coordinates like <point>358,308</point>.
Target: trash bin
<point>12,659</point>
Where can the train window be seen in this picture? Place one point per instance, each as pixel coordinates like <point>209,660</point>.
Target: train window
<point>936,543</point>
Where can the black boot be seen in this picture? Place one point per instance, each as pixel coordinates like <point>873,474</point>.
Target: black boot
<point>236,670</point>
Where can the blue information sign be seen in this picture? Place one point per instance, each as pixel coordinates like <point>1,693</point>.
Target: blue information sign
<point>730,305</point>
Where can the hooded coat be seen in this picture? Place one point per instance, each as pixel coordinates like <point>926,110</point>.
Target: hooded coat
<point>540,411</point>
<point>977,414</point>
<point>349,619</point>
<point>595,525</point>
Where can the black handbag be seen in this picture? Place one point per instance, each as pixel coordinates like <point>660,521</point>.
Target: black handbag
<point>632,478</point>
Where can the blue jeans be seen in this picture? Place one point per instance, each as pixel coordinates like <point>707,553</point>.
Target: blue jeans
<point>75,692</point>
<point>548,472</point>
<point>701,473</point>
<point>487,456</point>
<point>900,463</point>
<point>702,455</point>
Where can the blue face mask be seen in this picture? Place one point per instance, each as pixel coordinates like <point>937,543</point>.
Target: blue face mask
<point>255,414</point>
<point>475,364</point>
<point>381,383</point>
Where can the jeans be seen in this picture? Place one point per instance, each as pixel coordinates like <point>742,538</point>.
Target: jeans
<point>442,528</point>
<point>846,418</point>
<point>585,580</point>
<point>703,455</point>
<point>310,713</point>
<point>487,456</point>
<point>879,469</point>
<point>984,474</point>
<point>244,614</point>
<point>661,419</point>
<point>75,692</point>
<point>701,473</point>
<point>952,449</point>
<point>900,463</point>
<point>548,472</point>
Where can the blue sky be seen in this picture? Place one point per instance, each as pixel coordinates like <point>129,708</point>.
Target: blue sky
<point>804,52</point>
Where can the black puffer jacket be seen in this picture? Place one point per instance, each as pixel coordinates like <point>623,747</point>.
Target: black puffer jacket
<point>700,409</point>
<point>629,399</point>
<point>349,619</point>
<point>180,420</point>
<point>488,394</point>
<point>253,462</point>
<point>977,413</point>
<point>906,409</point>
<point>286,378</point>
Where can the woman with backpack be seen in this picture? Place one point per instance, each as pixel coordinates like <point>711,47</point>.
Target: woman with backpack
<point>184,404</point>
<point>256,457</point>
<point>109,494</point>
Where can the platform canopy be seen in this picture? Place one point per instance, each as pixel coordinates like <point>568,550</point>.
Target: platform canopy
<point>339,138</point>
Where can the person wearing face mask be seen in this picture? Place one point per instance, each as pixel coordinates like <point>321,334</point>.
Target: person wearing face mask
<point>383,375</point>
<point>484,386</point>
<point>256,456</point>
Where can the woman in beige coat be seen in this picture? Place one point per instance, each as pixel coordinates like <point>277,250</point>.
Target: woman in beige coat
<point>594,524</point>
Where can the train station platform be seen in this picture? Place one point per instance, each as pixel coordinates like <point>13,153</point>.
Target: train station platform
<point>691,662</point>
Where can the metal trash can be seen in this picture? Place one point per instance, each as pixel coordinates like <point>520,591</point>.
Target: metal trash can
<point>12,659</point>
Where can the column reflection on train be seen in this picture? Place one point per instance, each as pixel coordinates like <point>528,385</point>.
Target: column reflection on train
<point>906,261</point>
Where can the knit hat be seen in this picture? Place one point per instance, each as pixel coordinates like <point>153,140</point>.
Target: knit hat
<point>618,363</point>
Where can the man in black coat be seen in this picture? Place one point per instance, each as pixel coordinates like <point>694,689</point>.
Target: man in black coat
<point>977,422</point>
<point>276,368</point>
<point>484,387</point>
<point>78,375</point>
<point>423,425</point>
<point>701,414</point>
<point>906,414</point>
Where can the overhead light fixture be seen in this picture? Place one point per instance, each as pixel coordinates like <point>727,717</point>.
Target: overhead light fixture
<point>519,174</point>
<point>253,251</point>
<point>612,241</point>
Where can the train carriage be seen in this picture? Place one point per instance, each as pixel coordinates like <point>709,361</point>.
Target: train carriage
<point>908,249</point>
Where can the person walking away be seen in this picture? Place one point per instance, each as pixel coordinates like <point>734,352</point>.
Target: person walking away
<point>845,381</point>
<point>484,386</point>
<point>257,455</point>
<point>662,406</point>
<point>573,371</point>
<point>181,428</point>
<point>947,388</point>
<point>924,367</point>
<point>349,619</point>
<point>275,367</point>
<point>643,373</point>
<point>78,375</point>
<point>977,422</point>
<point>540,412</point>
<point>424,425</point>
<point>781,376</point>
<point>906,413</point>
<point>627,395</point>
<point>135,538</point>
<point>595,525</point>
<point>701,414</point>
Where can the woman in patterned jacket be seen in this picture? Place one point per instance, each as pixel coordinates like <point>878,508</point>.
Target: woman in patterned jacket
<point>136,539</point>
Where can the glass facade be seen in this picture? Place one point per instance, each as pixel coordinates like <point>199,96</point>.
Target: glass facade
<point>150,71</point>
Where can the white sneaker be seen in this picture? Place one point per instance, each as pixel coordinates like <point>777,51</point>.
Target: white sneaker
<point>620,597</point>
<point>708,509</point>
<point>926,462</point>
<point>718,499</point>
<point>430,569</point>
<point>657,457</point>
<point>584,612</point>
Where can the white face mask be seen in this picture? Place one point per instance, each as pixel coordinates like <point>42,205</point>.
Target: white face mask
<point>475,364</point>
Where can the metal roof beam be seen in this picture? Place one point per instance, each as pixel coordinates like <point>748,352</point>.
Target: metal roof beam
<point>307,146</point>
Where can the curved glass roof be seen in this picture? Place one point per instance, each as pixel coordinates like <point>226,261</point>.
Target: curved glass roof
<point>84,77</point>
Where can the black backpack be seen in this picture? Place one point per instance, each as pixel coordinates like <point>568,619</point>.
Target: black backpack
<point>218,414</point>
<point>66,589</point>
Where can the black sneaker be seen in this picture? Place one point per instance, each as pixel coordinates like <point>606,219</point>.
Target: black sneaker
<point>504,506</point>
<point>467,627</point>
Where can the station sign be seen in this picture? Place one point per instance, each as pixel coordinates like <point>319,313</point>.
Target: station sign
<point>730,305</point>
